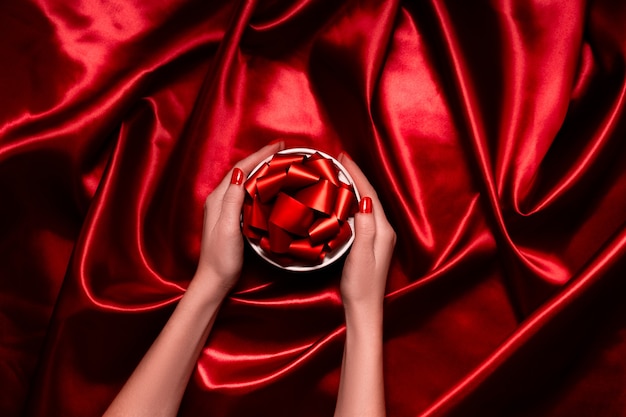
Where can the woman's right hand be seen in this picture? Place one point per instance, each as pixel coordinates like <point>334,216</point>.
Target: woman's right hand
<point>361,387</point>
<point>365,271</point>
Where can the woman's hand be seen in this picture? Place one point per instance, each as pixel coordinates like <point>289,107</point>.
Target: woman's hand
<point>361,388</point>
<point>157,385</point>
<point>365,271</point>
<point>221,251</point>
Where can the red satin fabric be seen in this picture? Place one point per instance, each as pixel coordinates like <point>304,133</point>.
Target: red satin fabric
<point>494,132</point>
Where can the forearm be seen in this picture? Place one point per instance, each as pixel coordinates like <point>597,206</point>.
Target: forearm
<point>157,385</point>
<point>361,389</point>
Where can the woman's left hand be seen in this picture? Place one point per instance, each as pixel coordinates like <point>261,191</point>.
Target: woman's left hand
<point>221,251</point>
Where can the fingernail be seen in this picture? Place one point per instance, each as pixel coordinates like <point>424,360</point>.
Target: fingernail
<point>365,205</point>
<point>345,154</point>
<point>279,142</point>
<point>237,177</point>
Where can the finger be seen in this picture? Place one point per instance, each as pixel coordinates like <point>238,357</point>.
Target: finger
<point>360,180</point>
<point>364,187</point>
<point>233,199</point>
<point>247,164</point>
<point>364,229</point>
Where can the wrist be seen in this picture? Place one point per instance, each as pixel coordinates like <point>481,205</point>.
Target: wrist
<point>208,286</point>
<point>367,317</point>
<point>367,306</point>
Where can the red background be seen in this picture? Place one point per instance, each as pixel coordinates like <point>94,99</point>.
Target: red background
<point>494,132</point>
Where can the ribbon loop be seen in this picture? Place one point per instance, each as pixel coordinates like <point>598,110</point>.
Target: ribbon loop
<point>324,167</point>
<point>320,196</point>
<point>270,185</point>
<point>291,215</point>
<point>299,176</point>
<point>324,229</point>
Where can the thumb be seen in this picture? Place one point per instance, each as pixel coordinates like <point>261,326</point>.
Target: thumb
<point>233,198</point>
<point>364,228</point>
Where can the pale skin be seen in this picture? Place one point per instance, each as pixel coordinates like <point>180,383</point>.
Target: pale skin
<point>156,386</point>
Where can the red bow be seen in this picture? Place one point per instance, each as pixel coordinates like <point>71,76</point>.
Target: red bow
<point>296,208</point>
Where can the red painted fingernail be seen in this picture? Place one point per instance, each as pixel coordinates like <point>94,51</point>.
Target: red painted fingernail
<point>237,177</point>
<point>346,155</point>
<point>365,206</point>
<point>280,142</point>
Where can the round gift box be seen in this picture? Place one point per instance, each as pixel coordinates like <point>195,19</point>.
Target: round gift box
<point>333,255</point>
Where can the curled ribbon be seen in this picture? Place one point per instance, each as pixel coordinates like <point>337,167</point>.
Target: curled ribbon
<point>296,208</point>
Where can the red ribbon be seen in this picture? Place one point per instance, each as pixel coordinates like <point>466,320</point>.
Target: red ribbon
<point>296,208</point>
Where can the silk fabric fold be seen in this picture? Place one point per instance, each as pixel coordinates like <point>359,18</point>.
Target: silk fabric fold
<point>493,131</point>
